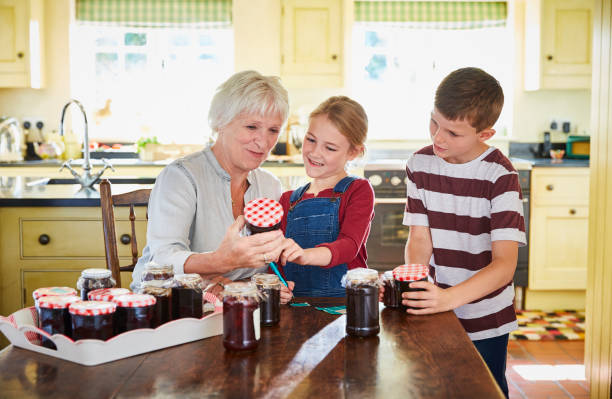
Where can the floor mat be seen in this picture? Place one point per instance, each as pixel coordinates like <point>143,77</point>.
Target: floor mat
<point>549,326</point>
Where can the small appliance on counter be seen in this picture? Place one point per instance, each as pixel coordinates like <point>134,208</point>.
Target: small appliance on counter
<point>578,147</point>
<point>11,140</point>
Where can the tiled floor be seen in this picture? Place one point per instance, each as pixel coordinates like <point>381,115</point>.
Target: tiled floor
<point>534,381</point>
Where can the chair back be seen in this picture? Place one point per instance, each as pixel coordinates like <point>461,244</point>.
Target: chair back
<point>107,203</point>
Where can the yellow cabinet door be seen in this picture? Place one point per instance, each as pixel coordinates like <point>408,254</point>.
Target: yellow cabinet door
<point>558,248</point>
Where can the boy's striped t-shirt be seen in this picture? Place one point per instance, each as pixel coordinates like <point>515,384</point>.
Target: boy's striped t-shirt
<point>467,207</point>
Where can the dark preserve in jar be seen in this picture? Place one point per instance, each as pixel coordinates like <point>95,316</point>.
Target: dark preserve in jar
<point>263,214</point>
<point>92,320</point>
<point>406,274</point>
<point>52,291</point>
<point>162,311</point>
<point>391,293</point>
<point>133,311</point>
<point>240,314</point>
<point>154,271</point>
<point>269,305</point>
<point>93,279</point>
<point>54,318</point>
<point>187,296</point>
<point>362,302</point>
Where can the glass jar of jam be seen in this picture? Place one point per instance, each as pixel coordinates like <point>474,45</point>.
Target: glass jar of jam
<point>154,271</point>
<point>269,286</point>
<point>52,291</point>
<point>53,316</point>
<point>93,279</point>
<point>133,311</point>
<point>162,311</point>
<point>106,294</point>
<point>240,316</point>
<point>263,214</point>
<point>391,294</point>
<point>362,302</point>
<point>406,274</point>
<point>92,319</point>
<point>187,296</point>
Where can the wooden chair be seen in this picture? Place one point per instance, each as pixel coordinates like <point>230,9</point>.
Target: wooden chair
<point>107,203</point>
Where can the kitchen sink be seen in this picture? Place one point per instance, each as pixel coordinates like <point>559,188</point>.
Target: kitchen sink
<point>118,180</point>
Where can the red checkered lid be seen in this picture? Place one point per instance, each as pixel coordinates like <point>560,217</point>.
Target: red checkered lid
<point>263,212</point>
<point>106,294</point>
<point>92,308</point>
<point>412,272</point>
<point>134,300</point>
<point>57,302</point>
<point>53,291</point>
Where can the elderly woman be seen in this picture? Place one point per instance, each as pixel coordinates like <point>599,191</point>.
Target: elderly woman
<point>195,209</point>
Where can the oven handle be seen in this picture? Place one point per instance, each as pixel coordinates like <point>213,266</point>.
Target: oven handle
<point>390,201</point>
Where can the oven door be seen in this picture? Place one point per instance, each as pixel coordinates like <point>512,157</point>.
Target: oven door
<point>388,235</point>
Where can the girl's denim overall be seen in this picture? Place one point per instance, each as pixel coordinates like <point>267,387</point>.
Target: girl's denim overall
<point>311,222</point>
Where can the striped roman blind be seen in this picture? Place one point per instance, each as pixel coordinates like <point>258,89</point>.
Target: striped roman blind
<point>433,14</point>
<point>155,13</point>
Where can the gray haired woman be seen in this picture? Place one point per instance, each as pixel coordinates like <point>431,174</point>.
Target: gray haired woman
<point>195,209</point>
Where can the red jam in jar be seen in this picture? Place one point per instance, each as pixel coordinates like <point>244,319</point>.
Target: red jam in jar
<point>162,312</point>
<point>187,296</point>
<point>362,302</point>
<point>92,319</point>
<point>269,287</point>
<point>93,279</point>
<point>240,317</point>
<point>52,291</point>
<point>106,294</point>
<point>133,311</point>
<point>391,294</point>
<point>263,214</point>
<point>406,274</point>
<point>53,316</point>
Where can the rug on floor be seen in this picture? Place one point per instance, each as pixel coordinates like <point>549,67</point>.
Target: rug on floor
<point>535,325</point>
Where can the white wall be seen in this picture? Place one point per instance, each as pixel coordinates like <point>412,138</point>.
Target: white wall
<point>257,41</point>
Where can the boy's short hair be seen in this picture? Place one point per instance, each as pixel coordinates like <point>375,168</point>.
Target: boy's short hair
<point>471,94</point>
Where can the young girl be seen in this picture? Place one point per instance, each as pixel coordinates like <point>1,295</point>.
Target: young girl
<point>327,221</point>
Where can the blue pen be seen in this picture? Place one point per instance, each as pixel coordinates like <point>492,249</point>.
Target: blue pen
<point>275,270</point>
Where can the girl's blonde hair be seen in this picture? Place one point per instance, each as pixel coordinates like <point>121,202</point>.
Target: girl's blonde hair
<point>348,116</point>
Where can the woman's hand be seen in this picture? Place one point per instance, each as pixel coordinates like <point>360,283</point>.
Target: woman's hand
<point>433,300</point>
<point>286,293</point>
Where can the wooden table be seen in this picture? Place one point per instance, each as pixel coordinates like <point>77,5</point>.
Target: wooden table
<point>307,356</point>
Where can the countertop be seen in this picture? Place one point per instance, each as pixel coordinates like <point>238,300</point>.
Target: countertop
<point>126,162</point>
<point>308,355</point>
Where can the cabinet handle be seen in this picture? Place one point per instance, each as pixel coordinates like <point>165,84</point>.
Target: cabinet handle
<point>572,211</point>
<point>550,187</point>
<point>20,54</point>
<point>549,57</point>
<point>44,239</point>
<point>334,57</point>
<point>125,239</point>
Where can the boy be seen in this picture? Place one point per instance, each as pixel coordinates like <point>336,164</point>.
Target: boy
<point>465,213</point>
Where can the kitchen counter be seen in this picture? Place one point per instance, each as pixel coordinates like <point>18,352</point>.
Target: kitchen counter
<point>547,162</point>
<point>308,355</point>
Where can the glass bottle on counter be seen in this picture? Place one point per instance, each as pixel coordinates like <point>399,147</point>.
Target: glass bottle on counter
<point>269,286</point>
<point>187,296</point>
<point>54,317</point>
<point>240,317</point>
<point>92,319</point>
<point>362,302</point>
<point>93,279</point>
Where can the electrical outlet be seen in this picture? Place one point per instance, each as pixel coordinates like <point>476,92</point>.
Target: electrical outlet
<point>554,125</point>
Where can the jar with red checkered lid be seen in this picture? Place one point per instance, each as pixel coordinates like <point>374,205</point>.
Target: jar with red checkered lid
<point>52,291</point>
<point>53,316</point>
<point>92,319</point>
<point>263,214</point>
<point>93,279</point>
<point>361,302</point>
<point>106,294</point>
<point>133,311</point>
<point>406,274</point>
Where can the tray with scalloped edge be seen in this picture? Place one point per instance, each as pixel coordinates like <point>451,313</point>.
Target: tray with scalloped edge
<point>21,330</point>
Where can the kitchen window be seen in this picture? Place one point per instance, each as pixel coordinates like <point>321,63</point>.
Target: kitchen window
<point>402,50</point>
<point>150,71</point>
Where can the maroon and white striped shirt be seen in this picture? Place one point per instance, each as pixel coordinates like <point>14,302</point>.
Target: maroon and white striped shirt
<point>467,207</point>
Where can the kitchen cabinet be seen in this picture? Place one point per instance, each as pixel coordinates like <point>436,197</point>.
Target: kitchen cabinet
<point>49,246</point>
<point>559,228</point>
<point>558,41</point>
<point>21,43</point>
<point>312,43</point>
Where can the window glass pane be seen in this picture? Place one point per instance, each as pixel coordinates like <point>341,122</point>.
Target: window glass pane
<point>135,62</point>
<point>107,41</point>
<point>107,65</point>
<point>135,39</point>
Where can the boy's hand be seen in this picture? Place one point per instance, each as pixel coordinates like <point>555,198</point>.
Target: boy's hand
<point>433,300</point>
<point>286,293</point>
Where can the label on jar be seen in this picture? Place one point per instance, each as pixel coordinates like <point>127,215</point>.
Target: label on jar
<point>256,320</point>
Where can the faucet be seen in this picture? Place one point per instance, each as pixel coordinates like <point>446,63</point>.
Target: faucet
<point>87,179</point>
